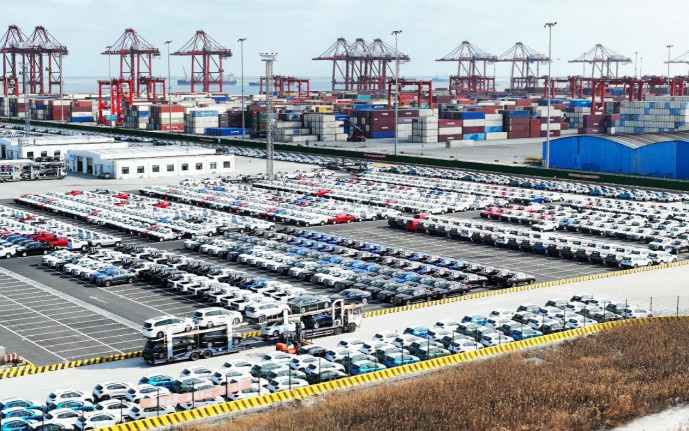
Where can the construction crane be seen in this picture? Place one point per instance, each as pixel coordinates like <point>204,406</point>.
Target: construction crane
<point>524,70</point>
<point>605,63</point>
<point>14,46</point>
<point>136,64</point>
<point>680,59</point>
<point>472,69</point>
<point>360,66</point>
<point>206,61</point>
<point>285,86</point>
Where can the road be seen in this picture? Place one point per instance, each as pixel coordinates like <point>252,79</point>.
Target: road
<point>663,285</point>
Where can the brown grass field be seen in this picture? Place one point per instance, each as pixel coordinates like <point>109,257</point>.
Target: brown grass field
<point>588,383</point>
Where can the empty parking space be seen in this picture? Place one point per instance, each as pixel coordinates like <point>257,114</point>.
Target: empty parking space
<point>57,329</point>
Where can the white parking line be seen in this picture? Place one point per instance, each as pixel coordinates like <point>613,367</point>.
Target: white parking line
<point>34,343</point>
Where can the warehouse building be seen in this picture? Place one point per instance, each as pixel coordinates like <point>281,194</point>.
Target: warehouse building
<point>663,155</point>
<point>151,162</point>
<point>53,146</point>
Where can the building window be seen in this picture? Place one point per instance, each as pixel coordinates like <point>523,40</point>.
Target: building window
<point>155,168</point>
<point>199,166</point>
<point>44,154</point>
<point>56,153</point>
<point>29,155</point>
<point>125,170</point>
<point>139,169</point>
<point>226,165</point>
<point>171,168</point>
<point>214,165</point>
<point>185,167</point>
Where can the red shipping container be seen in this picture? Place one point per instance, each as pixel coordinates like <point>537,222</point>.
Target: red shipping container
<point>544,120</point>
<point>553,133</point>
<point>516,128</point>
<point>382,128</point>
<point>376,122</point>
<point>449,123</point>
<point>516,122</point>
<point>475,129</point>
<point>564,126</point>
<point>517,135</point>
<point>445,138</point>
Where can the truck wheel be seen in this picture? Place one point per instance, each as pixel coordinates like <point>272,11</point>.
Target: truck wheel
<point>194,356</point>
<point>337,331</point>
<point>207,353</point>
<point>351,327</point>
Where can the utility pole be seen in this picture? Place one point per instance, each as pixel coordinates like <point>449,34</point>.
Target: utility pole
<point>397,91</point>
<point>27,107</point>
<point>241,50</point>
<point>269,58</point>
<point>636,58</point>
<point>169,85</point>
<point>550,62</point>
<point>641,65</point>
<point>669,47</point>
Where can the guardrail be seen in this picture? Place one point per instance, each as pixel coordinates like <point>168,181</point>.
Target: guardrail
<point>598,177</point>
<point>30,369</point>
<point>228,408</point>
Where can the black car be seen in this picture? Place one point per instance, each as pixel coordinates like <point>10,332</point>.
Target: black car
<point>312,350</point>
<point>474,280</point>
<point>119,277</point>
<point>410,295</point>
<point>305,303</point>
<point>389,292</point>
<point>510,279</point>
<point>33,248</point>
<point>444,290</point>
<point>353,296</point>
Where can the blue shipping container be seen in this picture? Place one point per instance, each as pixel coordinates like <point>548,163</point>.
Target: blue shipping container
<point>475,137</point>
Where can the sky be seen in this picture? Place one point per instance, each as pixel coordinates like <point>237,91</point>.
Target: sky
<point>299,30</point>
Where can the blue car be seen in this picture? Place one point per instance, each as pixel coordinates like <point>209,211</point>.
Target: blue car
<point>74,405</point>
<point>20,412</point>
<point>18,402</point>
<point>15,425</point>
<point>397,359</point>
<point>107,271</point>
<point>525,334</point>
<point>419,331</point>
<point>363,367</point>
<point>476,318</point>
<point>159,380</point>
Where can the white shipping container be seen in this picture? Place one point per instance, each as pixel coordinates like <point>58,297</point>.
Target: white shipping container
<point>450,131</point>
<point>473,123</point>
<point>553,126</point>
<point>496,135</point>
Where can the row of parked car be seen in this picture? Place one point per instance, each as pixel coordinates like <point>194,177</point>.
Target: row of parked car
<point>147,217</point>
<point>553,244</point>
<point>113,402</point>
<point>592,189</point>
<point>293,208</point>
<point>283,156</point>
<point>24,234</point>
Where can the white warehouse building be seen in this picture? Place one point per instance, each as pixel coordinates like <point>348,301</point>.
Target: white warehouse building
<point>150,161</point>
<point>53,146</point>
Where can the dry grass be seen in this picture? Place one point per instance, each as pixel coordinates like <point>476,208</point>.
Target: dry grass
<point>588,383</point>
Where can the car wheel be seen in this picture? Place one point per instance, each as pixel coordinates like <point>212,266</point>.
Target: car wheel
<point>160,334</point>
<point>235,322</point>
<point>23,254</point>
<point>276,334</point>
<point>130,280</point>
<point>194,356</point>
<point>7,256</point>
<point>316,325</point>
<point>187,329</point>
<point>107,283</point>
<point>349,220</point>
<point>407,302</point>
<point>322,223</point>
<point>337,331</point>
<point>364,301</point>
<point>160,239</point>
<point>302,310</point>
<point>210,325</point>
<point>45,251</point>
<point>444,296</point>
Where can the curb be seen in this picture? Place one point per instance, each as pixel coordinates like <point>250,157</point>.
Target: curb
<point>30,369</point>
<point>349,382</point>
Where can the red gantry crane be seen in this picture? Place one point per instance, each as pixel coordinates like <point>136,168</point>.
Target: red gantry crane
<point>360,66</point>
<point>14,46</point>
<point>206,61</point>
<point>605,63</point>
<point>524,70</point>
<point>136,64</point>
<point>472,69</point>
<point>45,62</point>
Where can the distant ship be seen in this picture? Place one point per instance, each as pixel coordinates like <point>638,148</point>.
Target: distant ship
<point>254,84</point>
<point>227,79</point>
<point>439,79</point>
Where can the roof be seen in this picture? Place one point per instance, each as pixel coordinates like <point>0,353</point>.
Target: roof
<point>149,152</point>
<point>638,140</point>
<point>56,140</point>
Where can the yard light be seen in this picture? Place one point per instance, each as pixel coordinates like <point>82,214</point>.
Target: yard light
<point>193,395</point>
<point>227,388</point>
<point>158,402</point>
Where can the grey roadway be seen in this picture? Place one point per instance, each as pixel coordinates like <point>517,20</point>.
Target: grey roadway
<point>663,285</point>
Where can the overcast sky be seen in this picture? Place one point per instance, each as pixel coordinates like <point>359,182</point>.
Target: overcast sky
<point>301,29</point>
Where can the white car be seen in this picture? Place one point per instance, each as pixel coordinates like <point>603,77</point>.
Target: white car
<point>267,310</point>
<point>201,403</point>
<point>635,313</point>
<point>445,324</point>
<point>137,412</point>
<point>110,389</point>
<point>301,362</point>
<point>61,395</point>
<point>96,420</point>
<point>238,364</point>
<point>65,417</point>
<point>635,261</point>
<point>285,383</point>
<point>545,225</point>
<point>222,376</point>
<point>114,406</point>
<point>387,336</point>
<point>216,316</point>
<point>578,321</point>
<point>277,328</point>
<point>500,313</point>
<point>370,347</point>
<point>464,345</point>
<point>197,371</point>
<point>351,343</point>
<point>139,392</point>
<point>338,353</point>
<point>159,326</point>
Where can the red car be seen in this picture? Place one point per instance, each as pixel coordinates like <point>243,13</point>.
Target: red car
<point>341,218</point>
<point>321,192</point>
<point>74,193</point>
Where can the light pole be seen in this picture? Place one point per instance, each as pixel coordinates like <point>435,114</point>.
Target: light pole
<point>241,50</point>
<point>109,47</point>
<point>169,85</point>
<point>550,26</point>
<point>669,47</point>
<point>397,74</point>
<point>641,65</point>
<point>636,59</point>
<point>269,58</point>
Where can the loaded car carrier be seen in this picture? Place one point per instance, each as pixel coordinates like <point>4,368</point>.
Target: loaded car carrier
<point>334,320</point>
<point>193,345</point>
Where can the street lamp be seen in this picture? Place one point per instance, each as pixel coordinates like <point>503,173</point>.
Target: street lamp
<point>636,59</point>
<point>669,47</point>
<point>241,50</point>
<point>109,47</point>
<point>397,74</point>
<point>158,401</point>
<point>550,26</point>
<point>169,85</point>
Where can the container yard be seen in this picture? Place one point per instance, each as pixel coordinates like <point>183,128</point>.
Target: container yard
<point>310,211</point>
